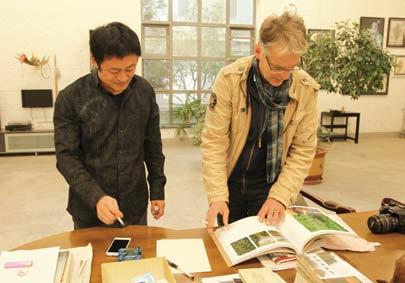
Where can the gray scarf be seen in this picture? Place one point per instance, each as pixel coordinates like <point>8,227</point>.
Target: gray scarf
<point>275,100</point>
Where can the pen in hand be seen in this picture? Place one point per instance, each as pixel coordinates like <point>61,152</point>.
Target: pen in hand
<point>121,221</point>
<point>175,266</point>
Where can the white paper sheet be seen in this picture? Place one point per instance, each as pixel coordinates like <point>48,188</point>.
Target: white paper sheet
<point>42,269</point>
<point>188,254</point>
<point>220,279</point>
<point>80,266</point>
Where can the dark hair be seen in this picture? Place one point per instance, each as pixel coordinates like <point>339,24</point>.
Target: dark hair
<point>113,40</point>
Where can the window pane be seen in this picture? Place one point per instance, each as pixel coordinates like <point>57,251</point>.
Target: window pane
<point>205,97</point>
<point>157,73</point>
<point>181,98</point>
<point>240,47</point>
<point>155,31</point>
<point>209,71</point>
<point>240,33</point>
<point>213,42</point>
<point>184,41</point>
<point>185,10</point>
<point>155,10</point>
<point>155,46</point>
<point>241,12</point>
<point>213,11</point>
<point>184,75</point>
<point>162,100</point>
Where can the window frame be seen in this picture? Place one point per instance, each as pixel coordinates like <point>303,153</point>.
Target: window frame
<point>228,58</point>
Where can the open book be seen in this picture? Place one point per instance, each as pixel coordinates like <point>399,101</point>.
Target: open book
<point>301,231</point>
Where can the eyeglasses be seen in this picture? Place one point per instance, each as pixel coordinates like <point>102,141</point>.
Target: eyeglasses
<point>278,69</point>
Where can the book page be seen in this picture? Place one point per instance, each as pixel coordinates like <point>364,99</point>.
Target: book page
<point>248,238</point>
<point>304,224</point>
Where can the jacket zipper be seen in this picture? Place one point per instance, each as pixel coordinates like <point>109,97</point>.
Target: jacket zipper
<point>247,168</point>
<point>244,190</point>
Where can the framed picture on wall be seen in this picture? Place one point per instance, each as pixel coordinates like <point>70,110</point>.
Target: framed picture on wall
<point>376,28</point>
<point>384,89</point>
<point>314,34</point>
<point>396,32</point>
<point>399,69</point>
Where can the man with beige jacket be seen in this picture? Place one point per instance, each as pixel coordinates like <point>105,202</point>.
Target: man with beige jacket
<point>259,137</point>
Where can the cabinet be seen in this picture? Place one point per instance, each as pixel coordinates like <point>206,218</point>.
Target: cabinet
<point>27,141</point>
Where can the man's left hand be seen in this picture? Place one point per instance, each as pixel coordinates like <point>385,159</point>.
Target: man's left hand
<point>157,208</point>
<point>272,212</point>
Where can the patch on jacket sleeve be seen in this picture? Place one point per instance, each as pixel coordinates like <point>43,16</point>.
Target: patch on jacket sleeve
<point>212,101</point>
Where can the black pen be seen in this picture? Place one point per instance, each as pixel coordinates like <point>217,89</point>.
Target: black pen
<point>175,266</point>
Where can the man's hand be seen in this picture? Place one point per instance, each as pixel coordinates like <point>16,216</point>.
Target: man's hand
<point>108,210</point>
<point>218,207</point>
<point>272,212</point>
<point>157,207</point>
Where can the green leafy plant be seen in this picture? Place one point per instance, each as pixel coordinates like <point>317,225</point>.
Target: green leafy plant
<point>351,63</point>
<point>191,114</point>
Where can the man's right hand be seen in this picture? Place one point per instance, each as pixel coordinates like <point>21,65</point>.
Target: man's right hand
<point>218,207</point>
<point>108,210</point>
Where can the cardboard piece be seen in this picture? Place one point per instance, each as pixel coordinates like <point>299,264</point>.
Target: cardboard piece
<point>124,271</point>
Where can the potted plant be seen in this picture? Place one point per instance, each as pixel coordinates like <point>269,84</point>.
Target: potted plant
<point>191,115</point>
<point>350,63</point>
<point>316,171</point>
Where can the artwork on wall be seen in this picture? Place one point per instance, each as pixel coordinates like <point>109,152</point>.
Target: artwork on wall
<point>384,89</point>
<point>314,34</point>
<point>396,32</point>
<point>399,69</point>
<point>376,28</point>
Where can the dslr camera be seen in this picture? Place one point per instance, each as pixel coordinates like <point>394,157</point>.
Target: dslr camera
<point>391,218</point>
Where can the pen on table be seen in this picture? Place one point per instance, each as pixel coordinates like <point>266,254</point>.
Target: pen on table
<point>120,221</point>
<point>175,266</point>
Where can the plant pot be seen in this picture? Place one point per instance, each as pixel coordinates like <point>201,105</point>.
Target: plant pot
<point>315,172</point>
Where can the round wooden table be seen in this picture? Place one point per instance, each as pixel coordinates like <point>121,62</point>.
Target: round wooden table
<point>375,265</point>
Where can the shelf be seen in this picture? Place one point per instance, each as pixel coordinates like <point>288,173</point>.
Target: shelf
<point>338,126</point>
<point>27,141</point>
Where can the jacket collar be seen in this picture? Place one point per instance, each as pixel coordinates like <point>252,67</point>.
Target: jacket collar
<point>245,64</point>
<point>94,75</point>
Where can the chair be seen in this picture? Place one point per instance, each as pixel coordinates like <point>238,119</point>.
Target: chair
<point>329,205</point>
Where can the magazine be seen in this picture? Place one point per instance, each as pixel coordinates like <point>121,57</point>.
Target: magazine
<point>301,231</point>
<point>279,260</point>
<point>326,267</point>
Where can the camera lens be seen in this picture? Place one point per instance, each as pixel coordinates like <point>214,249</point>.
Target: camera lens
<point>382,223</point>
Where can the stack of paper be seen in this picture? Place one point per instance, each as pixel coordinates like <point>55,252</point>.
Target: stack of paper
<point>41,269</point>
<point>47,265</point>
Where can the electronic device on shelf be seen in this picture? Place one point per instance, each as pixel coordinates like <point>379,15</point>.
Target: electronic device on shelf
<point>18,126</point>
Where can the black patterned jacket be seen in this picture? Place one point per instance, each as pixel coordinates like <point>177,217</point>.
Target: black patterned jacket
<point>102,145</point>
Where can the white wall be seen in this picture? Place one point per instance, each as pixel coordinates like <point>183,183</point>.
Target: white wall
<point>60,28</point>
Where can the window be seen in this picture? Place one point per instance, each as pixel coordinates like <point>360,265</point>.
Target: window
<point>186,42</point>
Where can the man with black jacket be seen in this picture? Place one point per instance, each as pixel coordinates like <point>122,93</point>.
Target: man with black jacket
<point>106,129</point>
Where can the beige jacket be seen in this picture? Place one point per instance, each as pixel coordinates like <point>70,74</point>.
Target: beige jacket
<point>227,125</point>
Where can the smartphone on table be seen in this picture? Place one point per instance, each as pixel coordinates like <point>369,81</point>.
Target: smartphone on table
<point>116,244</point>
